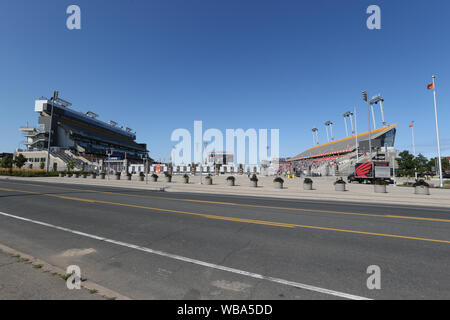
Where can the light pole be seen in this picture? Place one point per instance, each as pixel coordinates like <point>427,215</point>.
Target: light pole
<point>108,152</point>
<point>201,161</point>
<point>437,132</point>
<point>413,146</point>
<point>376,100</point>
<point>315,136</point>
<point>393,170</point>
<point>146,168</point>
<point>346,115</point>
<point>365,96</point>
<point>329,124</point>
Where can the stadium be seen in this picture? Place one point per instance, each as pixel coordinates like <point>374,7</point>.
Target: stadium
<point>79,138</point>
<point>340,157</point>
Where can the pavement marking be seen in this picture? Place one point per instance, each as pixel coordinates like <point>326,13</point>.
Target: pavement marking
<point>248,205</point>
<point>224,218</point>
<point>194,261</point>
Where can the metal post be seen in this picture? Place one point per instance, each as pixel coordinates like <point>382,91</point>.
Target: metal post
<point>351,122</point>
<point>393,170</point>
<point>331,128</point>
<point>413,148</point>
<point>373,117</point>
<point>437,134</point>
<point>328,137</point>
<point>382,112</point>
<point>146,169</point>
<point>346,128</point>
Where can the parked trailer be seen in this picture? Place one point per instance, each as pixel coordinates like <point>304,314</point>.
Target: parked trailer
<point>365,173</point>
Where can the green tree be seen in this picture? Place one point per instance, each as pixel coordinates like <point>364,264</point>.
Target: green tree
<point>42,165</point>
<point>432,164</point>
<point>7,162</point>
<point>70,165</point>
<point>421,163</point>
<point>406,164</point>
<point>19,161</point>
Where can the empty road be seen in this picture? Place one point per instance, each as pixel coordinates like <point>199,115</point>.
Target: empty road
<point>158,245</point>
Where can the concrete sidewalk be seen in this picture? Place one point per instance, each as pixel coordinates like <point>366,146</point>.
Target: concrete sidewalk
<point>20,279</point>
<point>24,277</point>
<point>293,189</point>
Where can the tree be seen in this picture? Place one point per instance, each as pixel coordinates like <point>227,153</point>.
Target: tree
<point>406,164</point>
<point>19,161</point>
<point>433,164</point>
<point>70,165</point>
<point>421,163</point>
<point>7,163</point>
<point>42,165</point>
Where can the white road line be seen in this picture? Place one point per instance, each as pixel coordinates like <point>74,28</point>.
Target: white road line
<point>194,261</point>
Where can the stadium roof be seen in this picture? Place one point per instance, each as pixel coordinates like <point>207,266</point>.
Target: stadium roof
<point>340,146</point>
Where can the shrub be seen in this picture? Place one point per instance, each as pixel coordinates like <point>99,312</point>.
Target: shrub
<point>278,179</point>
<point>231,178</point>
<point>340,181</point>
<point>168,175</point>
<point>307,181</point>
<point>154,175</point>
<point>421,183</point>
<point>27,173</point>
<point>380,182</point>
<point>208,177</point>
<point>186,176</point>
<point>254,178</point>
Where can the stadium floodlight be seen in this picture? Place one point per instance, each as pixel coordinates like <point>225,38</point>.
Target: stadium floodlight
<point>379,99</point>
<point>346,115</point>
<point>128,129</point>
<point>366,98</point>
<point>315,133</point>
<point>349,114</point>
<point>329,124</point>
<point>91,114</point>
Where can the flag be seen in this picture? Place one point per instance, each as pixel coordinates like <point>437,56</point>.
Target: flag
<point>430,86</point>
<point>411,125</point>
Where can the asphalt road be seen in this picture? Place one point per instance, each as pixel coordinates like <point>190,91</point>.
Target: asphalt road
<point>157,245</point>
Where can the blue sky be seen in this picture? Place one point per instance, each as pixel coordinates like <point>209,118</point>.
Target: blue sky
<point>290,65</point>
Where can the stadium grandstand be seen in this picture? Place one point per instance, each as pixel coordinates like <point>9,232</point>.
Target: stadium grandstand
<point>76,137</point>
<point>339,157</point>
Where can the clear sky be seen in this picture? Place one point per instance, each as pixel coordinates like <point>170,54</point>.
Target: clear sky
<point>287,64</point>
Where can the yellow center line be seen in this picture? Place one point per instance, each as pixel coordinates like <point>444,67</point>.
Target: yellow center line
<point>209,216</point>
<point>389,216</point>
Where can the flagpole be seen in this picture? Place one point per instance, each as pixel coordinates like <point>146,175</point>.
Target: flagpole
<point>413,147</point>
<point>437,134</point>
